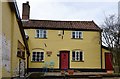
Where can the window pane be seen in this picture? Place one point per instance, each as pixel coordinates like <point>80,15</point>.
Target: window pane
<point>33,59</point>
<point>73,34</point>
<point>38,35</point>
<point>44,31</point>
<point>34,55</point>
<point>77,34</point>
<point>38,53</point>
<point>44,36</point>
<point>37,59</point>
<point>80,34</point>
<point>34,52</point>
<point>77,55</point>
<point>40,30</point>
<point>73,55</point>
<point>81,56</point>
<point>42,55</point>
<point>37,31</point>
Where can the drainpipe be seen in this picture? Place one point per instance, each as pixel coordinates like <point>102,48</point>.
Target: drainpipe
<point>28,54</point>
<point>101,58</point>
<point>19,66</point>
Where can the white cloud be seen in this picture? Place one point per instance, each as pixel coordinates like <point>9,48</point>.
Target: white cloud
<point>58,10</point>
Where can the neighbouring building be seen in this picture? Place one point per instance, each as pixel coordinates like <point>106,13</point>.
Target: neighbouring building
<point>63,44</point>
<point>14,44</point>
<point>107,59</point>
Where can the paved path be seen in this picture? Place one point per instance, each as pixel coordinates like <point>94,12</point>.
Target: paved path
<point>76,75</point>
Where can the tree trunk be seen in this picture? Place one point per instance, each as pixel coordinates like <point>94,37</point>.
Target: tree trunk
<point>116,61</point>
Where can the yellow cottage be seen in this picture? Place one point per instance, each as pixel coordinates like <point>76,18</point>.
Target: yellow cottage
<point>48,45</point>
<point>62,45</point>
<point>14,44</point>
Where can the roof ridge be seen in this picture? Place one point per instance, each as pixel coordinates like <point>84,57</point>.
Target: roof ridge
<point>60,20</point>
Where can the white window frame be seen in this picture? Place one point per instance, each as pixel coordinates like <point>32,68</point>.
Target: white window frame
<point>75,59</point>
<point>78,34</point>
<point>36,56</point>
<point>39,33</point>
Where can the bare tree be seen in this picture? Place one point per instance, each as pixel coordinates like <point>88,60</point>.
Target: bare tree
<point>111,39</point>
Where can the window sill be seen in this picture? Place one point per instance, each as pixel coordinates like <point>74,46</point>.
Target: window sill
<point>21,57</point>
<point>77,61</point>
<point>37,61</point>
<point>39,38</point>
<point>77,38</point>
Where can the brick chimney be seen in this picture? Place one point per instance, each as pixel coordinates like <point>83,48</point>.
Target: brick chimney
<point>25,11</point>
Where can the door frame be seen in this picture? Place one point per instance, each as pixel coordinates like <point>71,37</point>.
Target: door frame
<point>68,59</point>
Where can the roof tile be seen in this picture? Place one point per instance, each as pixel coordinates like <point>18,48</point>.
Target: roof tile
<point>50,24</point>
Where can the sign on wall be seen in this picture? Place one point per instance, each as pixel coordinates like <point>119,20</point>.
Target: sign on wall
<point>49,53</point>
<point>21,50</point>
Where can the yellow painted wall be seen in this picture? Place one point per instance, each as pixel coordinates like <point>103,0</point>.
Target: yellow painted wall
<point>6,30</point>
<point>103,56</point>
<point>90,45</point>
<point>11,32</point>
<point>16,37</point>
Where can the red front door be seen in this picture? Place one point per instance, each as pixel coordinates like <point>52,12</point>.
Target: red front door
<point>64,59</point>
<point>108,61</point>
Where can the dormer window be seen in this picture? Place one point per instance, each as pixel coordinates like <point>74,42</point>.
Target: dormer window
<point>41,33</point>
<point>76,34</point>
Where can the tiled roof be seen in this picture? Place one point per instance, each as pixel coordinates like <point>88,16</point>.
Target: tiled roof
<point>70,25</point>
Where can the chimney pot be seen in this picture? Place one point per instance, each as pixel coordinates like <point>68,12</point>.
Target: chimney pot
<point>27,2</point>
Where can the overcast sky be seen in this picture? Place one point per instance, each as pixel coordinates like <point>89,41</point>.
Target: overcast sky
<point>72,10</point>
